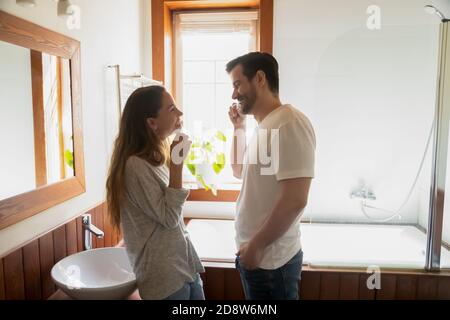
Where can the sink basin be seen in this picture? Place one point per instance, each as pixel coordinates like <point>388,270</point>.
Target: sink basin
<point>98,274</point>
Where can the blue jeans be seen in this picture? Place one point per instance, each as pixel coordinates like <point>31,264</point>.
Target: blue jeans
<point>190,291</point>
<point>277,284</point>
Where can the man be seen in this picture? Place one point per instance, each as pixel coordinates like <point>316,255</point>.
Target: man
<point>274,194</point>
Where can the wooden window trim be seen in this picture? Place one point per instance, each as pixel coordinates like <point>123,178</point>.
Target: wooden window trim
<point>62,173</point>
<point>38,39</point>
<point>38,118</point>
<point>163,52</point>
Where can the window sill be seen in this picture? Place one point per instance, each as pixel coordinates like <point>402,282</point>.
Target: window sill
<point>227,192</point>
<point>209,210</point>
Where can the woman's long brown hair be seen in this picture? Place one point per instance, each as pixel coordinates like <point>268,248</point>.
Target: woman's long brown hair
<point>135,138</point>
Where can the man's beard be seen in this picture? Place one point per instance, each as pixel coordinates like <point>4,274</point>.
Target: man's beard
<point>247,104</point>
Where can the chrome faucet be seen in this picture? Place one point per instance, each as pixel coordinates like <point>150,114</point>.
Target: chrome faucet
<point>363,193</point>
<point>89,229</point>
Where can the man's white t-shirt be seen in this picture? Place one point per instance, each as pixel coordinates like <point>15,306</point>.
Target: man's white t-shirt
<point>285,150</point>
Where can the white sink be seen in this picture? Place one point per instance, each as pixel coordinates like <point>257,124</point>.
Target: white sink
<point>98,274</point>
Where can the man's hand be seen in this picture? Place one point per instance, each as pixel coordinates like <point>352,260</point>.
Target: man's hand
<point>237,118</point>
<point>250,256</point>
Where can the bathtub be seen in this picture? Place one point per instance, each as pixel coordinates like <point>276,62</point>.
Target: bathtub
<point>328,245</point>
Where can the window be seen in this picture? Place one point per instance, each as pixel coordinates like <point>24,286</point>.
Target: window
<point>164,54</point>
<point>204,43</point>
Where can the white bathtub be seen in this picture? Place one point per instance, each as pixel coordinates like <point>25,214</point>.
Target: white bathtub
<point>328,245</point>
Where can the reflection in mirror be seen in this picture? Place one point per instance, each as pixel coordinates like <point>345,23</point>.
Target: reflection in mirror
<point>36,136</point>
<point>16,121</point>
<point>57,118</point>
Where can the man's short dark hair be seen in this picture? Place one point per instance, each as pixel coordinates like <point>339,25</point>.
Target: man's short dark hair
<point>254,61</point>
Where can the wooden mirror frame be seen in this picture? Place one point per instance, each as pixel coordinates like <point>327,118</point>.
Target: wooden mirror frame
<point>23,33</point>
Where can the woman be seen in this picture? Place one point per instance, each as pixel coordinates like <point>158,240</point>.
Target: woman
<point>145,197</point>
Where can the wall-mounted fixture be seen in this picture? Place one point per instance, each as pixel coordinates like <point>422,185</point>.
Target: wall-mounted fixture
<point>26,3</point>
<point>137,80</point>
<point>363,193</point>
<point>63,8</point>
<point>88,230</point>
<point>440,146</point>
<point>433,10</point>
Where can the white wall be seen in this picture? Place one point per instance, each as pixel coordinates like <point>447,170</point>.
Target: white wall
<point>112,32</point>
<point>369,94</point>
<point>17,169</point>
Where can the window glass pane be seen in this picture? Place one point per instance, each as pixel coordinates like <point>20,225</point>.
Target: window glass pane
<point>198,105</point>
<point>223,101</point>
<point>215,46</point>
<point>221,76</point>
<point>198,71</point>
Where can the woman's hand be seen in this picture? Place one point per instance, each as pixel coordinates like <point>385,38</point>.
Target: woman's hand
<point>179,149</point>
<point>237,118</point>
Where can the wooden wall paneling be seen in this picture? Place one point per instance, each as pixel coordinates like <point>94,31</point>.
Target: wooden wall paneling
<point>329,286</point>
<point>93,213</point>
<point>349,286</point>
<point>108,229</point>
<point>388,287</point>
<point>427,287</point>
<point>406,287</point>
<point>443,288</point>
<point>14,281</point>
<point>59,243</point>
<point>46,256</point>
<point>80,234</point>
<point>25,273</point>
<point>364,292</point>
<point>2,282</point>
<point>233,285</point>
<point>114,237</point>
<point>310,285</point>
<point>71,237</point>
<point>215,284</point>
<point>117,236</point>
<point>99,224</point>
<point>32,271</point>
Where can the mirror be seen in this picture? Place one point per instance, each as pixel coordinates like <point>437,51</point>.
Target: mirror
<point>40,119</point>
<point>27,161</point>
